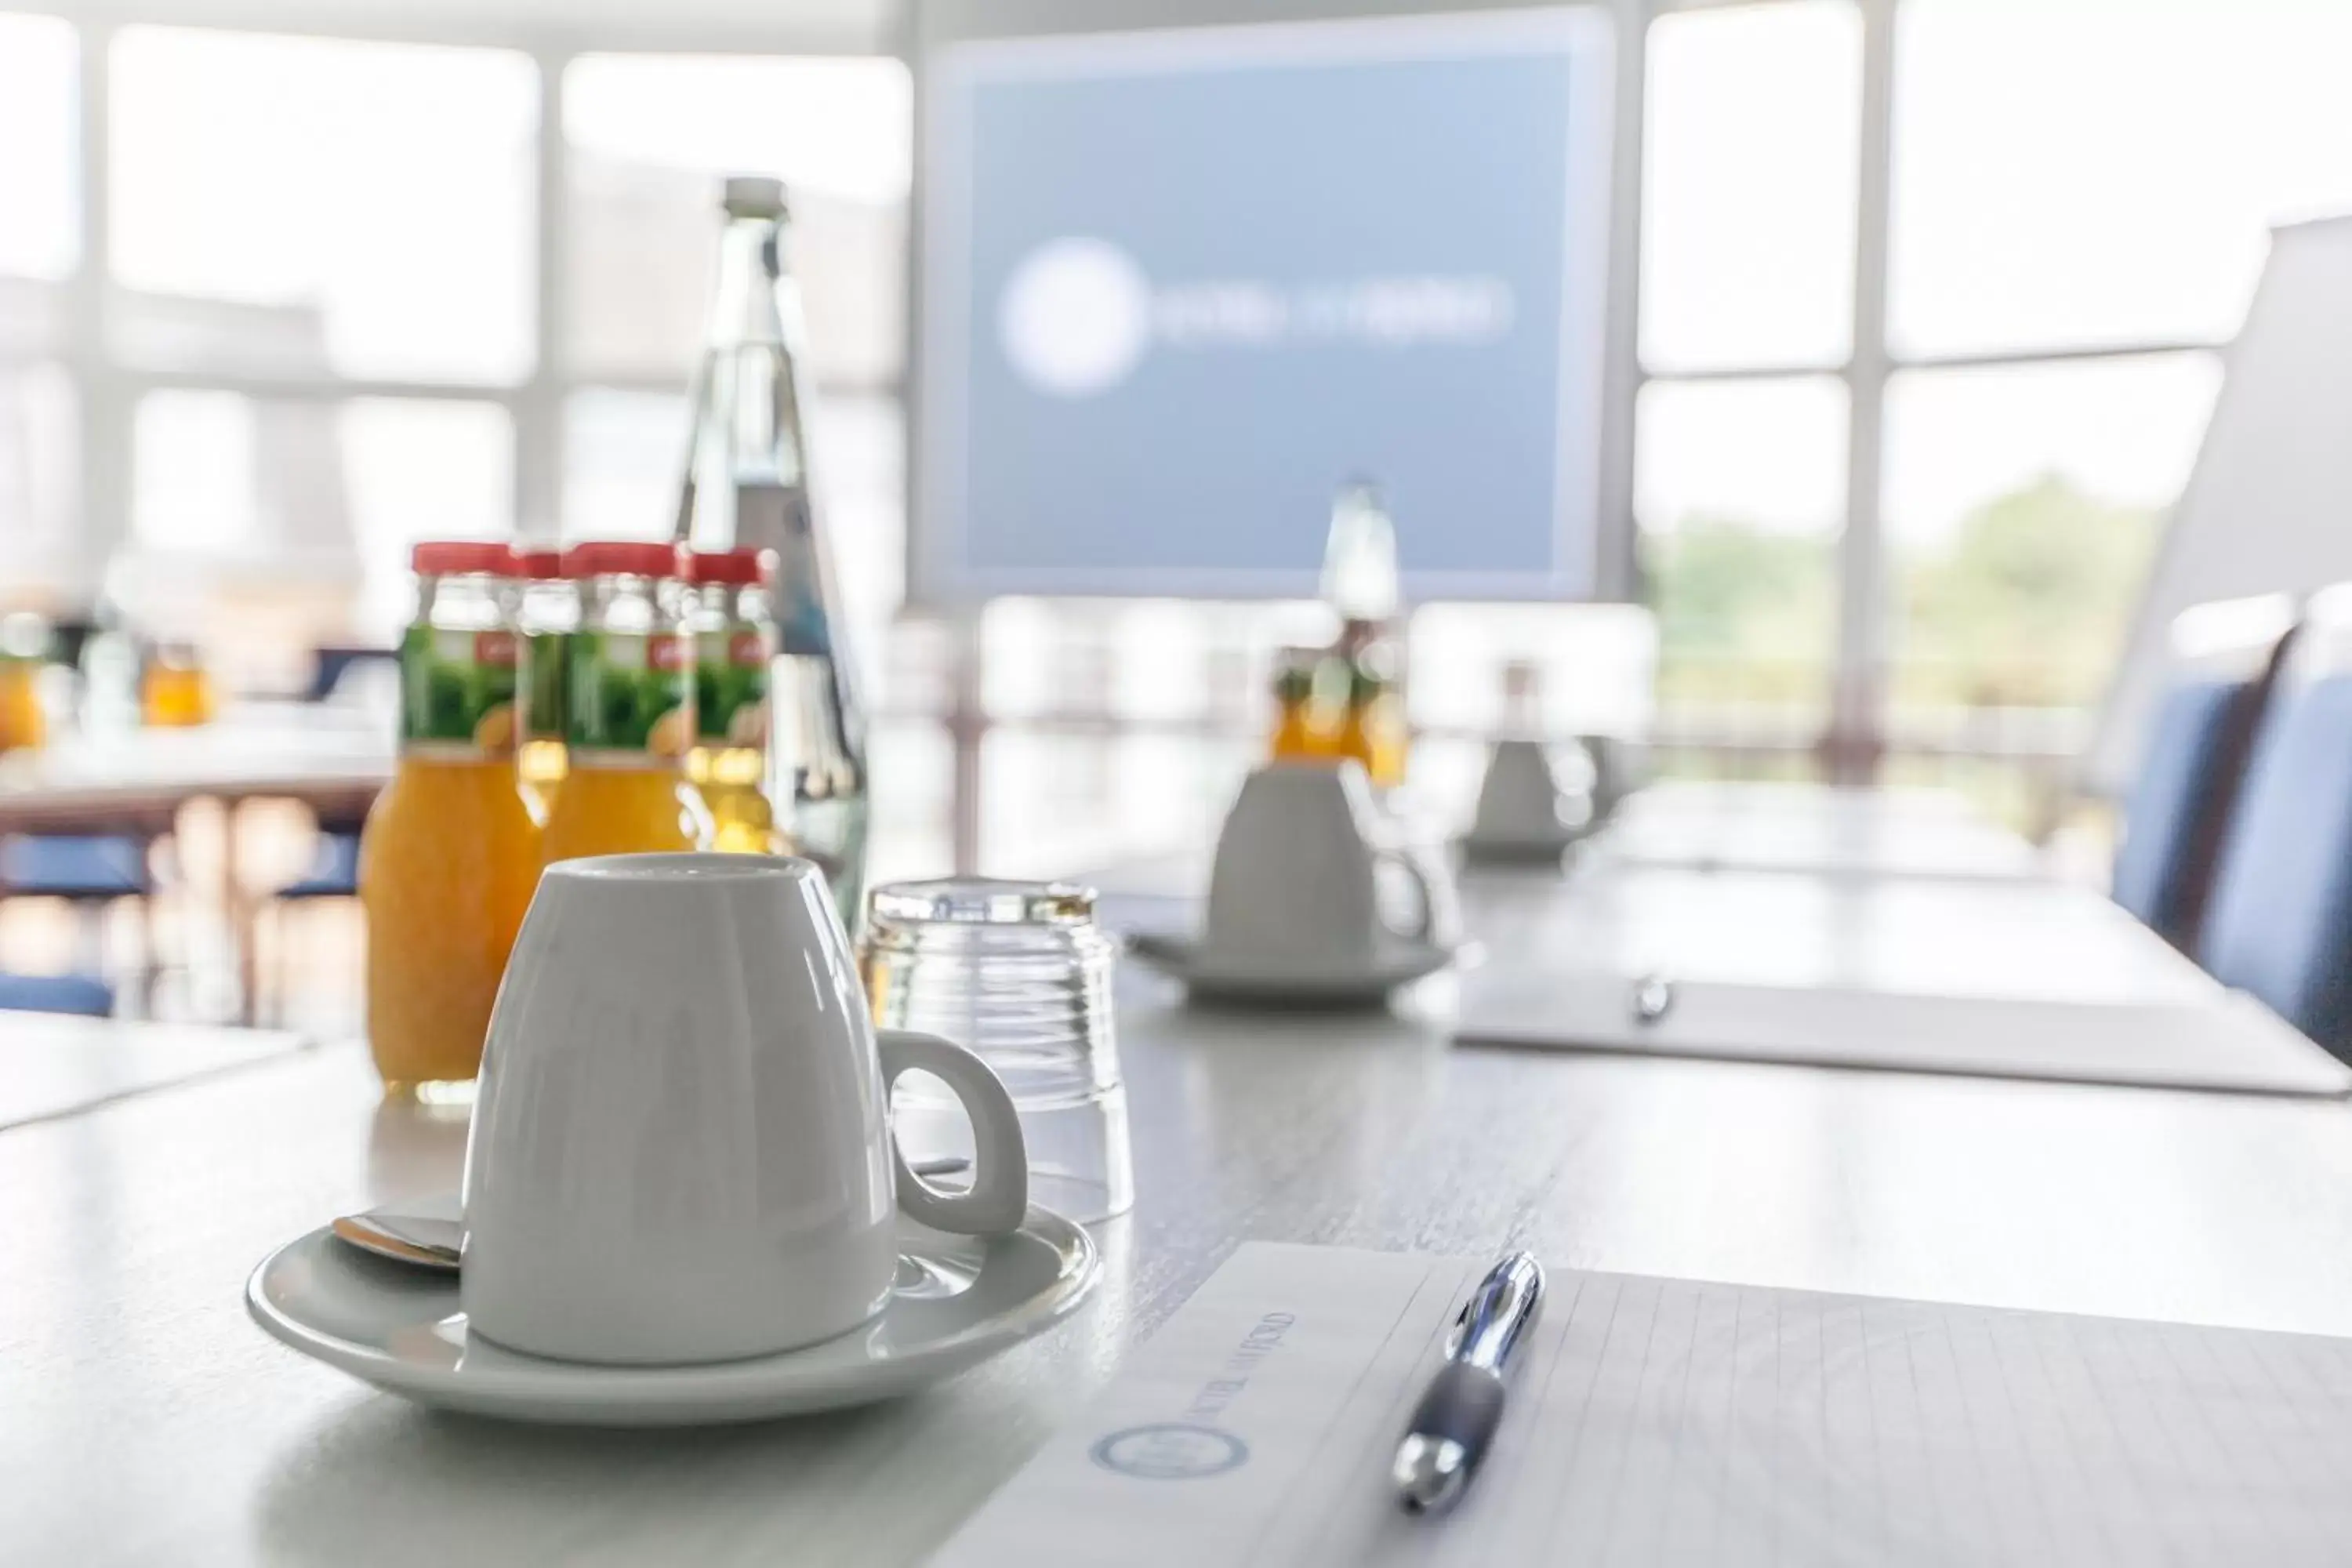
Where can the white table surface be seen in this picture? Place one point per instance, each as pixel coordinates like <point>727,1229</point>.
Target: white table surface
<point>276,749</point>
<point>147,1421</point>
<point>1929,935</point>
<point>1801,828</point>
<point>52,1065</point>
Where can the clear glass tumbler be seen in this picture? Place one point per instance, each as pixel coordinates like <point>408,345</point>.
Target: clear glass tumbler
<point>1020,973</point>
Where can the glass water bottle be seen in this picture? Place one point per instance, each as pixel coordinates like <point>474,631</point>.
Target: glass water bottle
<point>747,487</point>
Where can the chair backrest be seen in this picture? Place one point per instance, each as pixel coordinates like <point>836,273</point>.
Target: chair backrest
<point>57,994</point>
<point>329,665</point>
<point>2280,920</point>
<point>2226,657</point>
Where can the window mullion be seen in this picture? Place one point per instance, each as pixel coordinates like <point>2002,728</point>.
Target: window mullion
<point>1857,720</point>
<point>103,396</point>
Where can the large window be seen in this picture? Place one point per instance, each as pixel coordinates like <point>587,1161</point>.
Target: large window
<point>1928,295</point>
<point>308,207</point>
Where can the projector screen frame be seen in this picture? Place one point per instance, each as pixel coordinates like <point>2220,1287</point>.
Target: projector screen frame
<point>1591,513</point>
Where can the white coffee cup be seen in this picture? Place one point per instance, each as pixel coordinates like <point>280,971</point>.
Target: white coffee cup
<point>1301,867</point>
<point>1524,803</point>
<point>681,1148</point>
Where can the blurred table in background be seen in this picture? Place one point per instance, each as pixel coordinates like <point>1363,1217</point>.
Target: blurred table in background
<point>1811,827</point>
<point>332,760</point>
<point>1919,895</point>
<point>1922,935</point>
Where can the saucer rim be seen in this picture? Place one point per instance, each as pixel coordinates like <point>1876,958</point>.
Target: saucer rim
<point>587,1393</point>
<point>1179,956</point>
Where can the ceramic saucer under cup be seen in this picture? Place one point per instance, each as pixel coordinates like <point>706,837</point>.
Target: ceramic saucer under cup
<point>958,1301</point>
<point>1239,978</point>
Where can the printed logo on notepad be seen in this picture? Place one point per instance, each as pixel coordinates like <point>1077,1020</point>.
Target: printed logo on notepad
<point>1171,1451</point>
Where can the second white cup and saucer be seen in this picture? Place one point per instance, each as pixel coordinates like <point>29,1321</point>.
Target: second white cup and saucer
<point>1528,812</point>
<point>1314,898</point>
<point>682,1202</point>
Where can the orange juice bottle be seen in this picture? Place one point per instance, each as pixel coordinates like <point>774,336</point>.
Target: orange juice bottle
<point>732,624</point>
<point>1300,729</point>
<point>629,710</point>
<point>549,615</point>
<point>177,692</point>
<point>1373,731</point>
<point>24,654</point>
<point>451,852</point>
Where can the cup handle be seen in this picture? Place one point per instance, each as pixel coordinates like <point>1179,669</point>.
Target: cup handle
<point>999,1195</point>
<point>1424,901</point>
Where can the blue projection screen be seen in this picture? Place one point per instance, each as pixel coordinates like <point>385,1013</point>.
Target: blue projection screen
<point>1177,287</point>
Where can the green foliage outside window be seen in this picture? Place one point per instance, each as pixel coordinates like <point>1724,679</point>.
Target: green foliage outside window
<point>2025,604</point>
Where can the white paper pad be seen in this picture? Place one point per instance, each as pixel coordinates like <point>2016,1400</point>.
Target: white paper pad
<point>2229,1042</point>
<point>1657,1421</point>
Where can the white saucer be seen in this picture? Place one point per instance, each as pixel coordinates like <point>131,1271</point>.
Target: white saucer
<point>1235,978</point>
<point>960,1301</point>
<point>1516,850</point>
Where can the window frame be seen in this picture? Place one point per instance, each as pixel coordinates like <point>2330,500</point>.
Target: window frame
<point>107,389</point>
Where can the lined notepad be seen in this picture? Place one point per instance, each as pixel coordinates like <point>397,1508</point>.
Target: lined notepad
<point>1660,1421</point>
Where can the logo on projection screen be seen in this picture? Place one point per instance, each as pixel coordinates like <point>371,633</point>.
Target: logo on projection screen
<point>1075,317</point>
<point>1077,314</point>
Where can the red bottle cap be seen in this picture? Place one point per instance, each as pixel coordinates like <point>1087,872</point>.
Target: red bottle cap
<point>603,557</point>
<point>540,560</point>
<point>744,567</point>
<point>441,557</point>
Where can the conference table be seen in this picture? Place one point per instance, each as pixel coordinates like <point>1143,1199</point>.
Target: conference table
<point>150,1421</point>
<point>1847,832</point>
<point>333,759</point>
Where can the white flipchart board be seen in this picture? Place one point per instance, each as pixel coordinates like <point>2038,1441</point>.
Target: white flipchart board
<point>2268,507</point>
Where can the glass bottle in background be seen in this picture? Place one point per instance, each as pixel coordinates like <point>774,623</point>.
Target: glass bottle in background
<point>1309,696</point>
<point>1373,731</point>
<point>177,691</point>
<point>549,616</point>
<point>451,853</point>
<point>111,661</point>
<point>746,486</point>
<point>733,630</point>
<point>628,709</point>
<point>1360,584</point>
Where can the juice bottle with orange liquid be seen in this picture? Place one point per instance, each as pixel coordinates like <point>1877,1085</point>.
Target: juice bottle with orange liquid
<point>733,629</point>
<point>23,655</point>
<point>1302,719</point>
<point>550,614</point>
<point>450,856</point>
<point>629,710</point>
<point>177,691</point>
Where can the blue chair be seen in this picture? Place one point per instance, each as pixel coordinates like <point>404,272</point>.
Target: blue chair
<point>329,665</point>
<point>81,868</point>
<point>57,994</point>
<point>2279,923</point>
<point>88,871</point>
<point>2199,743</point>
<point>334,872</point>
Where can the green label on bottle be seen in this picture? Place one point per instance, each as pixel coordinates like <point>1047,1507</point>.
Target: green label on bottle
<point>630,695</point>
<point>544,704</point>
<point>457,692</point>
<point>730,686</point>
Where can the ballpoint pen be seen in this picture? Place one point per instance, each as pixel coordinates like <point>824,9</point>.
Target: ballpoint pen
<point>1454,1421</point>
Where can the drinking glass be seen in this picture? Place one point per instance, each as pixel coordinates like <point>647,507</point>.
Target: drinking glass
<point>1020,973</point>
